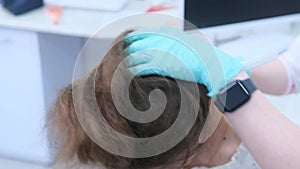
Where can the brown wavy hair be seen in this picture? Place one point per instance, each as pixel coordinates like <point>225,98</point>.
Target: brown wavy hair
<point>72,143</point>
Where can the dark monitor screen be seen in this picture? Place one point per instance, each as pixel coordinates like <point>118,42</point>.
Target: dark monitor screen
<point>208,13</point>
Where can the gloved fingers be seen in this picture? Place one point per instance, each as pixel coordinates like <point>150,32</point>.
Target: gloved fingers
<point>137,58</point>
<point>139,35</point>
<point>133,37</point>
<point>146,43</point>
<point>139,46</point>
<point>147,70</point>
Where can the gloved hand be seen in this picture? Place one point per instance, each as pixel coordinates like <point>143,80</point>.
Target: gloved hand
<point>173,53</point>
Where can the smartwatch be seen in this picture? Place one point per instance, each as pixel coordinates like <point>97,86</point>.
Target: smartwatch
<point>234,95</point>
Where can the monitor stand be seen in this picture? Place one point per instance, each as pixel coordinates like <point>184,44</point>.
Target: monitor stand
<point>258,48</point>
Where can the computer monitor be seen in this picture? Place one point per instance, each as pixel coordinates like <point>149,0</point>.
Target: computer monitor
<point>248,28</point>
<point>213,15</point>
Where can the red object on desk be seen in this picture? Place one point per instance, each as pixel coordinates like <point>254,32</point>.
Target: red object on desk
<point>54,13</point>
<point>159,8</point>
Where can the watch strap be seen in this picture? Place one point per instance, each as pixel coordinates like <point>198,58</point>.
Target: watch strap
<point>250,86</point>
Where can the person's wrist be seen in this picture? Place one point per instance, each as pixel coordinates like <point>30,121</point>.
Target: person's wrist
<point>240,76</point>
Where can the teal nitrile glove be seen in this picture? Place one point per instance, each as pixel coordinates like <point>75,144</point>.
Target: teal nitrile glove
<point>173,53</point>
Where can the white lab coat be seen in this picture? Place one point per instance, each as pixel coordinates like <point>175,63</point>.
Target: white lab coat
<point>291,62</point>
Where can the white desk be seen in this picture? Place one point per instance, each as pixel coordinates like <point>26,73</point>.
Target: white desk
<point>75,22</point>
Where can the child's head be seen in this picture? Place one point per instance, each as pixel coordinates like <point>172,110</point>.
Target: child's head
<point>73,143</point>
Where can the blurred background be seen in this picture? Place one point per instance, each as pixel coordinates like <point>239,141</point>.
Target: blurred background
<point>41,40</point>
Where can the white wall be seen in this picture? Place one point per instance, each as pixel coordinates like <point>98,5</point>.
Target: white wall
<point>22,105</point>
<point>33,69</point>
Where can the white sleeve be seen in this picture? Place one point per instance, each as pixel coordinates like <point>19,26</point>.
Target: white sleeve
<point>291,62</point>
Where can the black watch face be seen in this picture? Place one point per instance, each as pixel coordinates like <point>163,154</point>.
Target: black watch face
<point>238,95</point>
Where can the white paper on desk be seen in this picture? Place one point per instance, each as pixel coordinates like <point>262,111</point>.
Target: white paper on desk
<point>111,5</point>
